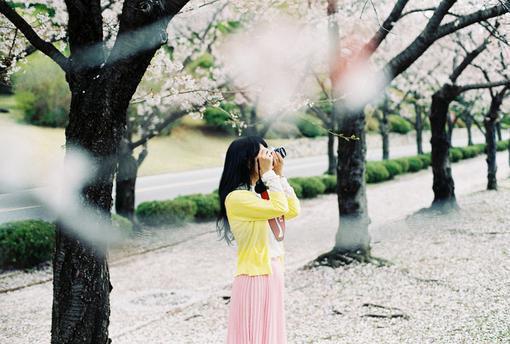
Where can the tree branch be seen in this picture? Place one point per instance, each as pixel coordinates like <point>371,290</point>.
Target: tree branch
<point>483,85</point>
<point>319,113</point>
<point>467,60</point>
<point>433,31</point>
<point>384,29</point>
<point>166,122</point>
<point>45,47</point>
<point>472,18</point>
<point>85,32</point>
<point>417,10</point>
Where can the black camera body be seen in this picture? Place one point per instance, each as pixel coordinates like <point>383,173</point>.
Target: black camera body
<point>280,150</point>
<point>260,187</point>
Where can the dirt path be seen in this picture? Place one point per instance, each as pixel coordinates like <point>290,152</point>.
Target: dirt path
<point>167,294</point>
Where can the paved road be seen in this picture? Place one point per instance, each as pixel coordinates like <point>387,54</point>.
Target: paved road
<point>23,204</point>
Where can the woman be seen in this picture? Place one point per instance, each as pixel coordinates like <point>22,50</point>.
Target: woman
<point>256,311</point>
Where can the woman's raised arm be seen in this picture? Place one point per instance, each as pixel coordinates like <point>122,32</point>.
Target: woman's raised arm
<point>247,206</point>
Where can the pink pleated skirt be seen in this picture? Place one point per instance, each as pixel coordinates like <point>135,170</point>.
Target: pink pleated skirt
<point>256,311</point>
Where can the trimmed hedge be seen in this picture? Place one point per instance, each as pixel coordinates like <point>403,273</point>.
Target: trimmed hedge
<point>330,182</point>
<point>399,125</point>
<point>208,206</point>
<point>122,224</point>
<point>404,164</point>
<point>455,154</point>
<point>426,159</point>
<point>157,213</point>
<point>311,126</point>
<point>376,172</point>
<point>296,186</point>
<point>469,152</point>
<point>480,148</point>
<point>415,164</point>
<point>502,145</point>
<point>310,186</point>
<point>26,243</point>
<point>393,167</point>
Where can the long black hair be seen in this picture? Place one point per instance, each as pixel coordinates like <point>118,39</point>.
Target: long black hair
<point>237,171</point>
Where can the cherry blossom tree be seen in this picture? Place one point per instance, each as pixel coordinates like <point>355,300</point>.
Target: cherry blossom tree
<point>188,62</point>
<point>352,239</point>
<point>102,78</point>
<point>492,116</point>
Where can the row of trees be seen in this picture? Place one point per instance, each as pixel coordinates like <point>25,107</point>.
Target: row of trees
<point>444,22</point>
<point>124,53</point>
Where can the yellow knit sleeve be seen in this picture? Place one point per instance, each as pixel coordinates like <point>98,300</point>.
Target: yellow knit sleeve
<point>247,206</point>
<point>294,207</point>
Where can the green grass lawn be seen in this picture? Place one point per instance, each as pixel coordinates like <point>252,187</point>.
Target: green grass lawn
<point>190,146</point>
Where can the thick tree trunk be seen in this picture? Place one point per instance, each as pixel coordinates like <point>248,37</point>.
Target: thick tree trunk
<point>352,241</point>
<point>81,280</point>
<point>443,185</point>
<point>352,235</point>
<point>100,94</point>
<point>490,123</point>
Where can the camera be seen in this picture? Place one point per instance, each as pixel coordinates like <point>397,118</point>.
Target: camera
<point>280,150</point>
<point>259,185</point>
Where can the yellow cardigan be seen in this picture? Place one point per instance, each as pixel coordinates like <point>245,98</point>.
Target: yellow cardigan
<point>247,216</point>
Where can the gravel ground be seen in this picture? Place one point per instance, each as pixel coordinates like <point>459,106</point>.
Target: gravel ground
<point>447,284</point>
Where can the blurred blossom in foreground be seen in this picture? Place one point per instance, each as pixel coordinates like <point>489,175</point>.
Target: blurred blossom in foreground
<point>272,63</point>
<point>277,65</point>
<point>356,80</point>
<point>361,85</point>
<point>61,197</point>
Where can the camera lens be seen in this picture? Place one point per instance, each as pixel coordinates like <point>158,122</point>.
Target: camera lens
<point>281,150</point>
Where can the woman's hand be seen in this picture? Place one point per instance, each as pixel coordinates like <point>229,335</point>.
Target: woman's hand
<point>265,159</point>
<point>278,163</point>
